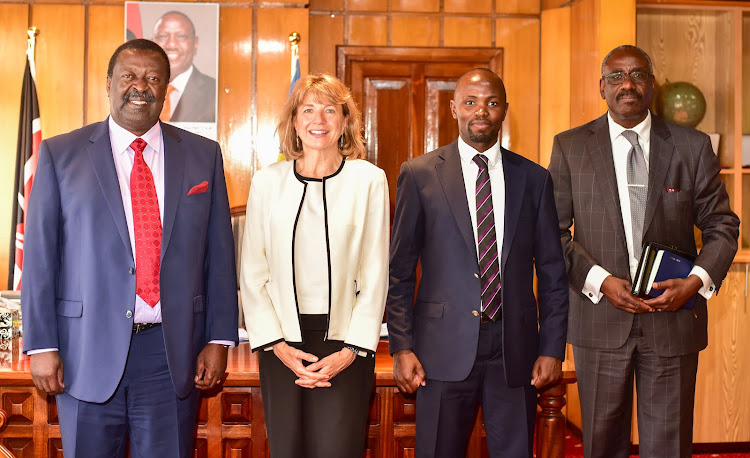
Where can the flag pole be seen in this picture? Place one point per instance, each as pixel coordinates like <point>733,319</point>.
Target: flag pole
<point>31,48</point>
<point>29,138</point>
<point>294,74</point>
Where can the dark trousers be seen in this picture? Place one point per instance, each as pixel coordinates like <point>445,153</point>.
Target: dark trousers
<point>446,411</point>
<point>666,395</point>
<point>321,422</point>
<point>144,407</point>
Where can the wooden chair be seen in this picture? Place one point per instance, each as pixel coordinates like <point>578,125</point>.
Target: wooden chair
<point>238,228</point>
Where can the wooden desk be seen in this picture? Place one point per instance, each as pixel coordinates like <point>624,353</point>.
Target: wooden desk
<point>230,418</point>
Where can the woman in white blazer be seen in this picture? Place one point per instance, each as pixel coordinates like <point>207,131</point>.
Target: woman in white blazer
<point>314,275</point>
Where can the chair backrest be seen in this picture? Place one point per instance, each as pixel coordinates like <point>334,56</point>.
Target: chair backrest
<point>238,228</point>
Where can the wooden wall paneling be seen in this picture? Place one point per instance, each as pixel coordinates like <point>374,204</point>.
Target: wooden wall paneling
<point>235,84</point>
<point>273,68</point>
<point>554,109</point>
<point>367,30</point>
<point>550,4</point>
<point>467,6</point>
<point>585,63</point>
<point>106,33</point>
<point>519,38</point>
<point>746,73</point>
<point>14,20</point>
<point>60,66</point>
<point>467,31</point>
<point>518,7</point>
<point>367,5</point>
<point>722,408</point>
<point>682,45</point>
<point>600,26</point>
<point>423,6</point>
<point>618,25</point>
<point>415,31</point>
<point>326,5</point>
<point>326,32</point>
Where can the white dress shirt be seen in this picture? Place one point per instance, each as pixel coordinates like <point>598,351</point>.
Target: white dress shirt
<point>620,149</point>
<point>497,180</point>
<point>124,156</point>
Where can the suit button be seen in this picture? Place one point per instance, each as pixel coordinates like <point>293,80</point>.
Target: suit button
<point>128,314</point>
<point>476,275</point>
<point>475,313</point>
<point>131,271</point>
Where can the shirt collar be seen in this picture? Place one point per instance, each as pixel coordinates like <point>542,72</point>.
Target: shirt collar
<point>122,138</point>
<point>643,129</point>
<point>467,152</point>
<point>180,81</point>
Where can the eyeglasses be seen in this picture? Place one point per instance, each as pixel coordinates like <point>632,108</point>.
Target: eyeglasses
<point>637,77</point>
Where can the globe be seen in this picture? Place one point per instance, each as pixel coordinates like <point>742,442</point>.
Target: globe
<point>681,103</point>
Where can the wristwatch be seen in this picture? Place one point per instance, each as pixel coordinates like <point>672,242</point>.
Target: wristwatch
<point>352,349</point>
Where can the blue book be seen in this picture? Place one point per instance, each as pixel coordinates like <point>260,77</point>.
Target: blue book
<point>668,265</point>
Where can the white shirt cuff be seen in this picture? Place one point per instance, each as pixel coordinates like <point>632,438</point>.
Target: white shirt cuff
<point>226,343</point>
<point>709,287</point>
<point>593,285</point>
<point>40,350</point>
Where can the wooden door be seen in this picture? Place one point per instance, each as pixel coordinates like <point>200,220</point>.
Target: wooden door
<point>404,96</point>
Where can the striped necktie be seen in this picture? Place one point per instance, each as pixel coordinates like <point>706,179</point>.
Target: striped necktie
<point>489,264</point>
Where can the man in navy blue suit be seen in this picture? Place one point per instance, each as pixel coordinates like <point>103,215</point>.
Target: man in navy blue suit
<point>129,293</point>
<point>475,336</point>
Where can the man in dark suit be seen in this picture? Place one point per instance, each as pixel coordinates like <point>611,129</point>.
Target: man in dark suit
<point>124,317</point>
<point>191,96</point>
<point>474,335</point>
<point>625,179</point>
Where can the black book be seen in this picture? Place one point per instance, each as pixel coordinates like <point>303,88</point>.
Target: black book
<point>661,262</point>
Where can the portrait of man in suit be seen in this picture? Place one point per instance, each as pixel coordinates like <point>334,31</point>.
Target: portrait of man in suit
<point>129,297</point>
<point>623,180</point>
<point>191,95</point>
<point>479,219</point>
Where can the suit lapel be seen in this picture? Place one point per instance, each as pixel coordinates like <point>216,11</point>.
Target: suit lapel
<point>660,156</point>
<point>100,153</point>
<point>174,168</point>
<point>452,180</point>
<point>515,182</point>
<point>599,148</point>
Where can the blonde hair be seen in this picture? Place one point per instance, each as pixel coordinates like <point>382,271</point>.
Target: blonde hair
<point>324,88</point>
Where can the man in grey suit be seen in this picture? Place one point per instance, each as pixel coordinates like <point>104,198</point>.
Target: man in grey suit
<point>625,179</point>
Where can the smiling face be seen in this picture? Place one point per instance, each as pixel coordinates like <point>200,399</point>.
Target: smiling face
<point>628,102</point>
<point>175,34</point>
<point>319,124</point>
<point>479,106</point>
<point>136,89</point>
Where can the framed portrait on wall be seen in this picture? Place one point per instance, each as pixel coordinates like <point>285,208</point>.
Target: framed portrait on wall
<point>189,34</point>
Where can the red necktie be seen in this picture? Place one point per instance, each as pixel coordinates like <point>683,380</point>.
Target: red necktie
<point>146,226</point>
